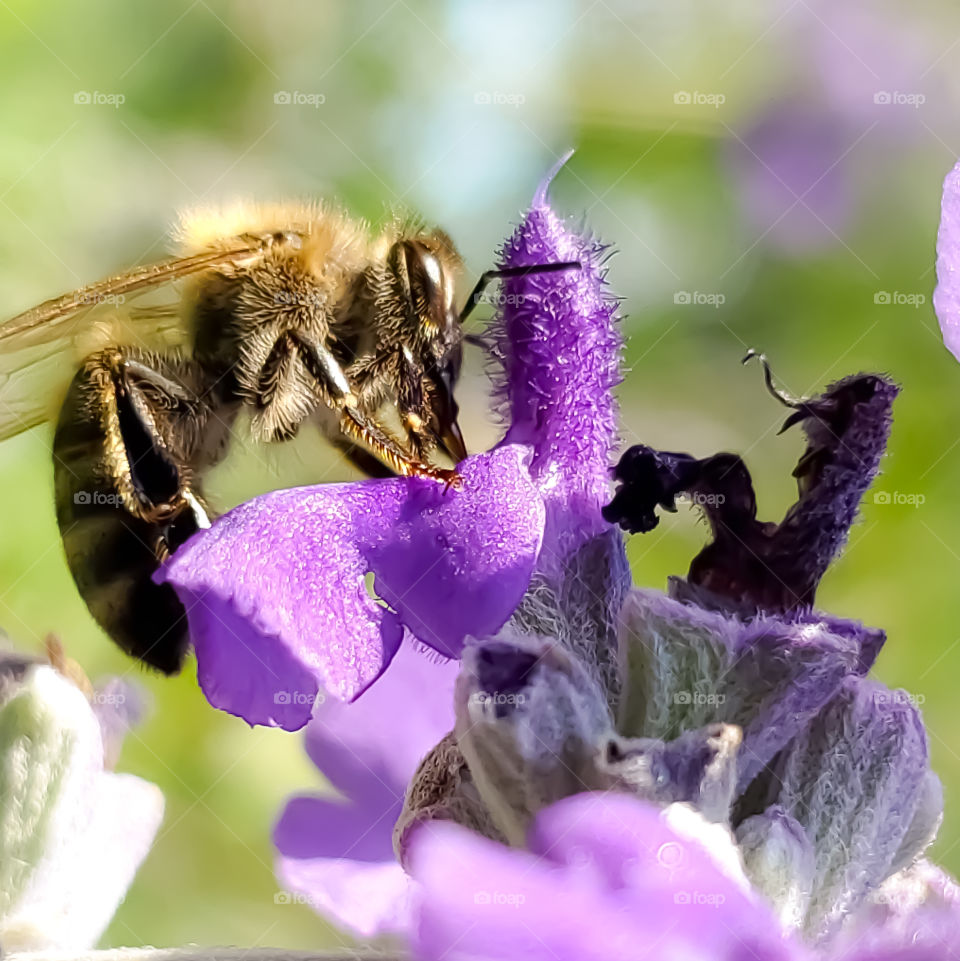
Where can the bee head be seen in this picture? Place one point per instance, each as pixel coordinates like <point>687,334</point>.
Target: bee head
<point>431,342</point>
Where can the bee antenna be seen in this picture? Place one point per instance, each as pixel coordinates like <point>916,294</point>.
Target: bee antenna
<point>500,273</point>
<point>780,395</point>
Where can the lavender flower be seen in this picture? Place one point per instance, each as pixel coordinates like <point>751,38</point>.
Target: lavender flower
<point>946,298</point>
<point>605,877</point>
<point>339,853</point>
<point>595,726</point>
<point>851,70</point>
<point>559,349</point>
<point>730,696</point>
<point>275,591</point>
<point>734,698</point>
<point>608,877</point>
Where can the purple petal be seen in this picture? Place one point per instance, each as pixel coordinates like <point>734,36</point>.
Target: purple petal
<point>339,859</point>
<point>370,898</point>
<point>608,878</point>
<point>913,916</point>
<point>315,828</point>
<point>560,344</point>
<point>120,706</point>
<point>276,597</point>
<point>338,855</point>
<point>377,741</point>
<point>946,297</point>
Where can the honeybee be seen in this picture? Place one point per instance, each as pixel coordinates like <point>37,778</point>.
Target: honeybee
<point>294,313</point>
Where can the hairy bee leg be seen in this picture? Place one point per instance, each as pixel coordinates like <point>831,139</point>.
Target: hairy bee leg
<point>330,376</point>
<point>354,424</point>
<point>325,369</point>
<point>154,474</point>
<point>125,437</point>
<point>362,459</point>
<point>162,382</point>
<point>319,361</point>
<point>285,403</point>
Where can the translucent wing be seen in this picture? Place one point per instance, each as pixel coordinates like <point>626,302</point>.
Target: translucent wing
<point>41,348</point>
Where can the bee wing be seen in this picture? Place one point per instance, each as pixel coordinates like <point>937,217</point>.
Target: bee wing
<point>40,348</point>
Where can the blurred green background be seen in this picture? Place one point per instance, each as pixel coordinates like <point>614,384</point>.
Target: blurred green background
<point>769,173</point>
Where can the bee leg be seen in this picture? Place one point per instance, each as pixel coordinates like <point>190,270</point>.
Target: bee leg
<point>375,439</point>
<point>125,441</point>
<point>362,459</point>
<point>283,401</point>
<point>147,404</point>
<point>332,379</point>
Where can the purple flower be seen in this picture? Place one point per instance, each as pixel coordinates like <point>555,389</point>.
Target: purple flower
<point>631,773</point>
<point>277,592</point>
<point>946,298</point>
<point>732,694</point>
<point>559,345</point>
<point>276,595</point>
<point>339,853</point>
<point>605,877</point>
<point>790,178</point>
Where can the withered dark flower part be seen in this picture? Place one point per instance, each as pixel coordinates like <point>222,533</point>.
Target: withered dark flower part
<point>752,565</point>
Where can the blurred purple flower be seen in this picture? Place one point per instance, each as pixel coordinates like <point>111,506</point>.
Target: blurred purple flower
<point>275,591</point>
<point>339,853</point>
<point>861,82</point>
<point>790,178</point>
<point>605,877</point>
<point>609,877</point>
<point>946,297</point>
